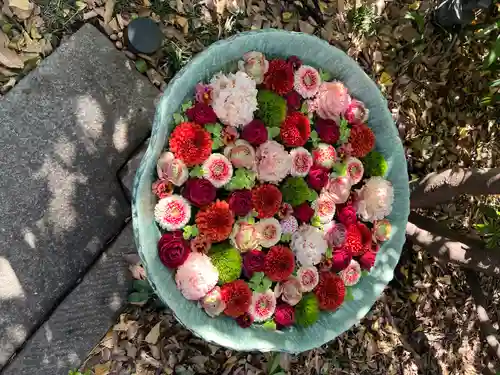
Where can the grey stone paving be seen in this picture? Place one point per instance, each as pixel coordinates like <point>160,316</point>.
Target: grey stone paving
<point>84,316</point>
<point>127,173</point>
<point>65,130</point>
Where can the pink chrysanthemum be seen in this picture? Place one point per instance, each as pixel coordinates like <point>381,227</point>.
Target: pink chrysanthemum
<point>335,234</point>
<point>382,230</point>
<point>289,225</point>
<point>269,231</point>
<point>307,81</point>
<point>355,169</point>
<point>172,212</point>
<point>324,155</point>
<point>196,276</point>
<point>308,278</point>
<point>301,162</point>
<point>324,208</point>
<point>218,170</point>
<point>262,306</point>
<point>351,274</point>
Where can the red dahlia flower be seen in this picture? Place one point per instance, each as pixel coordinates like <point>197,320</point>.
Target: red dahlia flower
<point>353,241</point>
<point>279,263</point>
<point>237,297</point>
<point>266,200</point>
<point>190,143</point>
<point>295,130</point>
<point>362,140</point>
<point>215,221</point>
<point>330,291</point>
<point>279,77</point>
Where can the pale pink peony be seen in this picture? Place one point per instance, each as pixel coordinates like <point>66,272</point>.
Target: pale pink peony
<point>212,303</point>
<point>375,198</point>
<point>241,154</point>
<point>355,169</point>
<point>308,245</point>
<point>356,112</point>
<point>273,162</point>
<point>351,274</point>
<point>289,291</point>
<point>262,306</point>
<point>171,169</point>
<point>269,232</point>
<point>301,162</point>
<point>196,276</point>
<point>172,212</point>
<point>307,81</point>
<point>339,188</point>
<point>332,100</point>
<point>255,65</point>
<point>218,170</point>
<point>308,278</point>
<point>244,236</point>
<point>324,155</point>
<point>324,207</point>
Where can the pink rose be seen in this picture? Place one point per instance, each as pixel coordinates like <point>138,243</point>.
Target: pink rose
<point>332,100</point>
<point>317,177</point>
<point>289,291</point>
<point>356,113</point>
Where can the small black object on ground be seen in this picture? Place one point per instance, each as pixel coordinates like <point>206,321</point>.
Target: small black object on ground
<point>143,35</point>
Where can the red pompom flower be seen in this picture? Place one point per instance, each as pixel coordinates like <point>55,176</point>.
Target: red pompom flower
<point>295,130</point>
<point>284,315</point>
<point>330,291</point>
<point>279,77</point>
<point>202,114</point>
<point>328,130</point>
<point>240,202</point>
<point>266,200</point>
<point>255,133</point>
<point>237,297</point>
<point>303,212</point>
<point>215,221</point>
<point>279,263</point>
<point>362,140</point>
<point>190,143</point>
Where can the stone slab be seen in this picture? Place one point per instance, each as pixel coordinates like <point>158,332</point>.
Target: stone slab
<point>65,131</point>
<point>127,173</point>
<point>83,317</point>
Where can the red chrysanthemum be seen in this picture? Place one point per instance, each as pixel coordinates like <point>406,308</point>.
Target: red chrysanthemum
<point>362,140</point>
<point>367,260</point>
<point>353,241</point>
<point>293,100</point>
<point>366,238</point>
<point>266,200</point>
<point>215,221</point>
<point>190,143</point>
<point>303,212</point>
<point>330,291</point>
<point>237,296</point>
<point>347,215</point>
<point>328,130</point>
<point>245,320</point>
<point>201,114</point>
<point>279,77</point>
<point>295,130</point>
<point>284,315</point>
<point>279,263</point>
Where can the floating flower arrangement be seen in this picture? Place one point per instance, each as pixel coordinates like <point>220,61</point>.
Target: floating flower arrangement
<point>272,201</point>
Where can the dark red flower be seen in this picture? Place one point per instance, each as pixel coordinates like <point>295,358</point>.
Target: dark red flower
<point>279,77</point>
<point>199,191</point>
<point>284,315</point>
<point>303,212</point>
<point>279,263</point>
<point>367,260</point>
<point>340,259</point>
<point>317,177</point>
<point>255,133</point>
<point>190,143</point>
<point>362,140</point>
<point>293,101</point>
<point>266,200</point>
<point>237,297</point>
<point>347,215</point>
<point>202,114</point>
<point>295,62</point>
<point>330,291</point>
<point>173,249</point>
<point>366,237</point>
<point>245,320</point>
<point>215,221</point>
<point>253,261</point>
<point>295,130</point>
<point>328,130</point>
<point>240,202</point>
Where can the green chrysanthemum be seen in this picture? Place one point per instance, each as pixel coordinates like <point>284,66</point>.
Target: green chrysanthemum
<point>375,164</point>
<point>295,191</point>
<point>227,260</point>
<point>307,310</point>
<point>272,108</point>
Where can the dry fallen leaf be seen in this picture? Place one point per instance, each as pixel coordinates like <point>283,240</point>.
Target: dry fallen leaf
<point>154,334</point>
<point>21,4</point>
<point>108,10</point>
<point>10,59</point>
<point>103,369</point>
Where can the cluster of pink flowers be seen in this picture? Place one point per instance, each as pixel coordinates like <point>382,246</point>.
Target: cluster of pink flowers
<point>256,218</point>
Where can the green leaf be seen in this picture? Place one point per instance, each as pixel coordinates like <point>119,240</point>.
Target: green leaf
<point>364,273</point>
<point>141,66</point>
<point>314,135</point>
<point>304,108</point>
<point>274,363</point>
<point>189,231</point>
<point>329,253</point>
<point>257,277</point>
<point>217,143</point>
<point>142,286</point>
<point>251,220</point>
<point>418,19</point>
<point>340,169</point>
<point>269,325</point>
<point>286,237</point>
<point>178,118</point>
<point>345,131</point>
<point>325,76</point>
<point>186,105</point>
<point>273,132</point>
<point>495,83</point>
<point>313,195</point>
<point>196,171</point>
<point>138,298</point>
<point>348,294</point>
<point>243,179</point>
<point>195,231</point>
<point>214,129</point>
<point>266,283</point>
<point>493,55</point>
<point>315,221</point>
